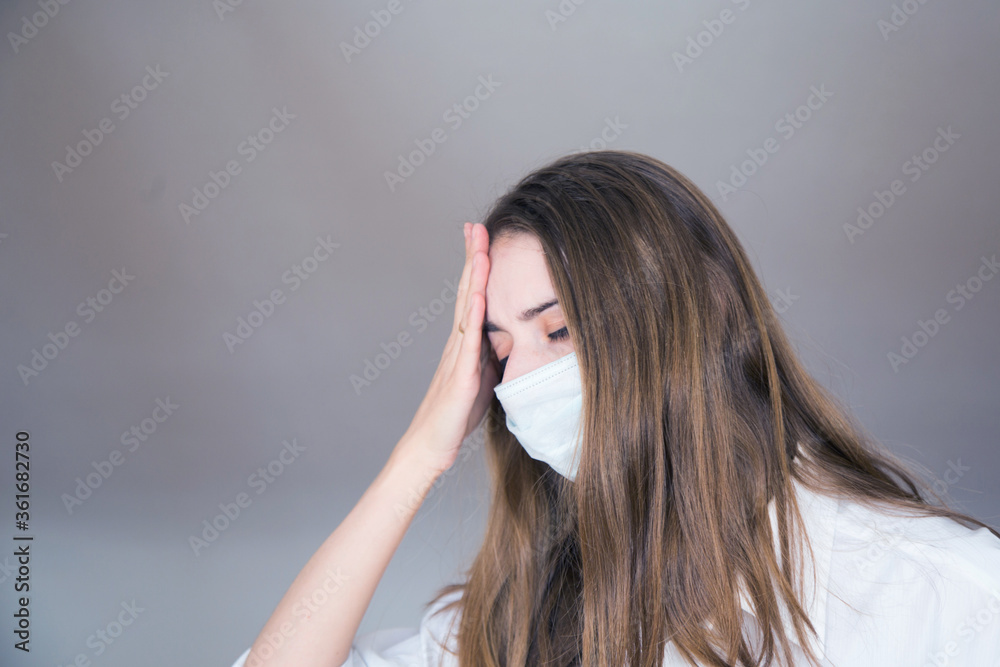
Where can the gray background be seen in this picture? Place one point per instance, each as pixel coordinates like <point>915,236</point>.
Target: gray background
<point>162,336</point>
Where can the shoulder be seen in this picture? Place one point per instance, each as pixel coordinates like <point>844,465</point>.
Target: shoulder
<point>423,646</point>
<point>439,628</point>
<point>879,540</point>
<point>924,587</point>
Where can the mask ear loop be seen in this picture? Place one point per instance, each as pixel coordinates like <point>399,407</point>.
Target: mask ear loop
<point>578,441</point>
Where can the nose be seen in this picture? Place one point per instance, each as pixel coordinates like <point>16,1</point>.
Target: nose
<point>521,363</point>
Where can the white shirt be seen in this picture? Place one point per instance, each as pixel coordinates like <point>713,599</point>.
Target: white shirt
<point>893,590</point>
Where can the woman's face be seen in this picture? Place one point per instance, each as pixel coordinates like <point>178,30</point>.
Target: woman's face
<point>524,321</point>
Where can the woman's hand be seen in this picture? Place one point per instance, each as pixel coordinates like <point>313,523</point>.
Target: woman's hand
<point>462,387</point>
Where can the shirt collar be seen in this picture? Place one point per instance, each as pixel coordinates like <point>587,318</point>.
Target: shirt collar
<point>819,514</point>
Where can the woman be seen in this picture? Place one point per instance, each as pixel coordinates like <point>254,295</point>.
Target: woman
<point>723,508</point>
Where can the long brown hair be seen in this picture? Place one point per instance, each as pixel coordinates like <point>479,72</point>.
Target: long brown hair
<point>694,408</point>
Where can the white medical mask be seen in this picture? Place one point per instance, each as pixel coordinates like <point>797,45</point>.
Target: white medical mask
<point>543,410</point>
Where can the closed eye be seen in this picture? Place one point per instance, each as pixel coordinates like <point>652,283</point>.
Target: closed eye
<point>561,334</point>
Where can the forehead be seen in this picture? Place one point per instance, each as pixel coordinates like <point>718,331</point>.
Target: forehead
<point>519,277</point>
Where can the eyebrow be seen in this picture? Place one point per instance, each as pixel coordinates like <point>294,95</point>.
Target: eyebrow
<point>525,315</point>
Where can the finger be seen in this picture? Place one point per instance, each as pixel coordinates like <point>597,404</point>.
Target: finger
<point>481,243</point>
<point>485,350</point>
<point>476,313</point>
<point>480,239</point>
<point>474,278</point>
<point>472,340</point>
<point>484,398</point>
<point>488,380</point>
<point>478,273</point>
<point>478,243</point>
<point>473,269</point>
<point>461,299</point>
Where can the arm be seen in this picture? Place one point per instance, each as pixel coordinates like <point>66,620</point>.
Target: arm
<point>316,621</point>
<point>318,618</point>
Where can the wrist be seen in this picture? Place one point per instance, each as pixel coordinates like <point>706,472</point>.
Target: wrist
<point>414,452</point>
<point>410,468</point>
